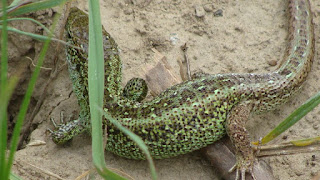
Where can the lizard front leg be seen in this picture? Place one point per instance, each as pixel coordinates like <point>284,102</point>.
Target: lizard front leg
<point>235,126</point>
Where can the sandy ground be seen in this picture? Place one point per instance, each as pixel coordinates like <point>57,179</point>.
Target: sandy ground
<point>248,36</point>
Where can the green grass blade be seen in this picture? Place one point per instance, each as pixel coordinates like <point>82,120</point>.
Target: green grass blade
<point>5,95</point>
<point>292,118</point>
<point>32,35</point>
<point>33,20</point>
<point>14,177</point>
<point>96,87</point>
<point>4,49</point>
<point>306,142</point>
<point>36,6</point>
<point>3,89</point>
<point>96,90</point>
<point>35,36</point>
<point>96,82</point>
<point>3,137</point>
<point>109,175</point>
<point>14,3</point>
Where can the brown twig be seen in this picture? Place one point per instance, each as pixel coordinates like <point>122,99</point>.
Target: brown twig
<point>285,149</point>
<point>184,48</point>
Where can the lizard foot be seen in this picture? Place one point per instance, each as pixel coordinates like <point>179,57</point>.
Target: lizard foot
<point>243,165</point>
<point>65,131</point>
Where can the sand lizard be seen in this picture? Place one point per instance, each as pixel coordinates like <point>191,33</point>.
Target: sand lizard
<point>195,113</point>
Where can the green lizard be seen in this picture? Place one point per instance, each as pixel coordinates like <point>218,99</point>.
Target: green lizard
<point>195,113</point>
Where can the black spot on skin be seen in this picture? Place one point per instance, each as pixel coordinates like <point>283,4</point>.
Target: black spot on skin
<point>285,72</point>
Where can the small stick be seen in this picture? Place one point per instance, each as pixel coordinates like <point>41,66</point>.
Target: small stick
<point>184,48</point>
<point>285,149</point>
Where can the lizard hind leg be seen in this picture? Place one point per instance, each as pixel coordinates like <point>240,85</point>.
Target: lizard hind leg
<point>235,126</point>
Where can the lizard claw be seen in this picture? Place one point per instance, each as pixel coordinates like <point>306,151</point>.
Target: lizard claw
<point>56,126</point>
<point>243,165</point>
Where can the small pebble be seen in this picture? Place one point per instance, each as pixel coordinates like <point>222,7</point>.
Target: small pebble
<point>174,38</point>
<point>208,7</point>
<point>315,126</point>
<point>218,13</point>
<point>199,11</point>
<point>285,137</point>
<point>272,63</point>
<point>238,29</point>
